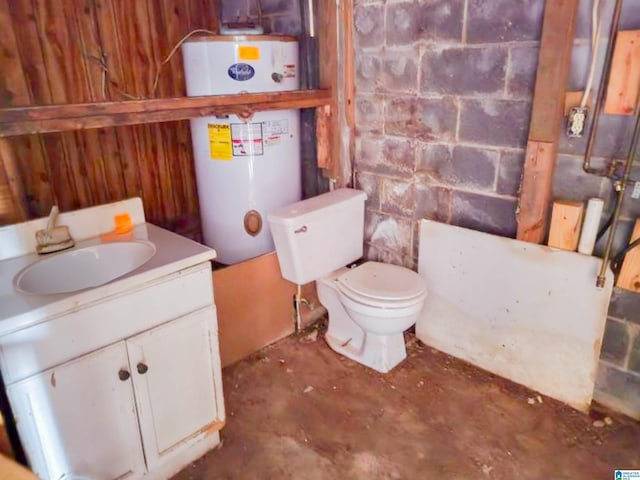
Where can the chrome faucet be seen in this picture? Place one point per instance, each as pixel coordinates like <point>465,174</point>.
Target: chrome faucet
<point>52,238</point>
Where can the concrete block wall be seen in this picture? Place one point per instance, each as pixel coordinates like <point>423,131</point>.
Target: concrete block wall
<point>618,382</point>
<point>443,99</point>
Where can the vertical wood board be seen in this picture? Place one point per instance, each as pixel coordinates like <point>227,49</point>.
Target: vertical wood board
<point>547,111</point>
<point>624,80</point>
<point>629,277</point>
<point>566,224</point>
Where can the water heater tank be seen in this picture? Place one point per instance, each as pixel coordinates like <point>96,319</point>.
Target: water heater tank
<point>245,167</point>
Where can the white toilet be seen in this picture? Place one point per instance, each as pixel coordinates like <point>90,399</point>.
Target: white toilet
<point>370,306</point>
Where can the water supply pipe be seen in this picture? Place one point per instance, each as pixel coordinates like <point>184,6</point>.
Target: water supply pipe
<point>602,90</point>
<point>621,189</point>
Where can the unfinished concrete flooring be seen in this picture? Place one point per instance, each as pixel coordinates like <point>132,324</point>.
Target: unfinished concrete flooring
<point>297,410</point>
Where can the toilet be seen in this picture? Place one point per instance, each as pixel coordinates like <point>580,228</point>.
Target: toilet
<point>371,305</point>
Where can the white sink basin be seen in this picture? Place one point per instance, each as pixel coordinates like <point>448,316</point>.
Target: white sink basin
<point>83,268</point>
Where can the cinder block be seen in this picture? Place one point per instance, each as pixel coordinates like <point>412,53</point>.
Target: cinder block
<point>398,197</point>
<point>431,20</point>
<point>495,122</point>
<point>286,25</point>
<point>388,232</point>
<point>433,203</point>
<point>504,20</point>
<point>460,166</point>
<point>623,386</point>
<point>615,342</point>
<point>464,71</point>
<point>368,73</point>
<point>570,182</point>
<point>487,214</point>
<point>427,119</point>
<point>368,25</point>
<point>385,156</point>
<point>510,173</point>
<point>402,23</point>
<point>441,20</point>
<point>370,184</point>
<point>369,113</point>
<point>522,72</point>
<point>625,305</point>
<point>400,71</point>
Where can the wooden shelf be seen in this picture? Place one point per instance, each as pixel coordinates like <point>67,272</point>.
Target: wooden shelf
<point>81,116</point>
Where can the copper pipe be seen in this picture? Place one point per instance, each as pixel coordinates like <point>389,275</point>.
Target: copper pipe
<point>602,90</point>
<point>616,214</point>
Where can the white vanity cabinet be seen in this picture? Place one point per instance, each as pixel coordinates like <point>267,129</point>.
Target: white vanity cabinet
<point>137,392</point>
<point>80,417</point>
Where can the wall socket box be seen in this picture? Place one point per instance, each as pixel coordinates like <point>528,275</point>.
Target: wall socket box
<point>576,121</point>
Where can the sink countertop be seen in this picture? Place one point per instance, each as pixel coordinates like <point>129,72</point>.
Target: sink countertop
<point>173,253</point>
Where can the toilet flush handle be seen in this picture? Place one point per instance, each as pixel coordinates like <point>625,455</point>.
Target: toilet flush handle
<point>302,229</point>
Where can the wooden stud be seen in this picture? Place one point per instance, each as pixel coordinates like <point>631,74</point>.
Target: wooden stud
<point>323,136</point>
<point>538,166</point>
<point>566,222</point>
<point>629,277</point>
<point>546,118</point>
<point>624,81</point>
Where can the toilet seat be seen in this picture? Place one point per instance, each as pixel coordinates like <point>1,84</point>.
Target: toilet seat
<point>382,285</point>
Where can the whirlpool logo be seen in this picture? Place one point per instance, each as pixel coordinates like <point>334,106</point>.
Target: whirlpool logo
<point>241,71</point>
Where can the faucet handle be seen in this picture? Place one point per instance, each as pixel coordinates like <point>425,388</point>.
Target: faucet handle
<point>53,214</point>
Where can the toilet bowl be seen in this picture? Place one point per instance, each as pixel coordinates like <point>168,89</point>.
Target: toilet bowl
<point>369,306</point>
<point>368,327</point>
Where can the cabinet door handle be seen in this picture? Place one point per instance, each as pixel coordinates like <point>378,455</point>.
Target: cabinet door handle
<point>123,375</point>
<point>142,368</point>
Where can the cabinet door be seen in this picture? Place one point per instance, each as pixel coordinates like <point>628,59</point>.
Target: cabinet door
<point>79,418</point>
<point>176,371</point>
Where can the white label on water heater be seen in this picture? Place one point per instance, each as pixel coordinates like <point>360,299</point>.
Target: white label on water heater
<point>247,139</point>
<point>276,127</point>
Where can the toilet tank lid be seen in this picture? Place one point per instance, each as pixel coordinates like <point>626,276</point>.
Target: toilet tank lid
<point>290,214</point>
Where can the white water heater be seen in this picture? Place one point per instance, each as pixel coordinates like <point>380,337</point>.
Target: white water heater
<point>245,167</point>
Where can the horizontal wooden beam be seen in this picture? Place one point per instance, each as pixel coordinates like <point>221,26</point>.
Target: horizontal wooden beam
<point>81,116</point>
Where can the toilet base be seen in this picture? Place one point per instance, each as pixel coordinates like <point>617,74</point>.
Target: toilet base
<point>379,352</point>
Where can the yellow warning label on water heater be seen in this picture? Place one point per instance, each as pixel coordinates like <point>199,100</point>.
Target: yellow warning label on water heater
<point>248,52</point>
<point>220,147</point>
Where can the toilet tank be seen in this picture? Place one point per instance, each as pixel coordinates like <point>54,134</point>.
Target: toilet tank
<point>316,236</point>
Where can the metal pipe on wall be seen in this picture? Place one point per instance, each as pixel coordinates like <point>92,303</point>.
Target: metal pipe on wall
<point>620,200</point>
<point>602,89</point>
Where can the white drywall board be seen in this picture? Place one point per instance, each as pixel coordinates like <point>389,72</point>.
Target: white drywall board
<point>526,312</point>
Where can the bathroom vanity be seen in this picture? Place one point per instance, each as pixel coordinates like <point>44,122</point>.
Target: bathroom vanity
<point>121,380</point>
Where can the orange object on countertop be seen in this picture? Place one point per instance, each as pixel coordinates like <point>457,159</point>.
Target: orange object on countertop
<point>123,223</point>
<point>123,226</point>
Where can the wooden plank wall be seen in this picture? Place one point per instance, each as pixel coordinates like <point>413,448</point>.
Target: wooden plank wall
<point>54,52</point>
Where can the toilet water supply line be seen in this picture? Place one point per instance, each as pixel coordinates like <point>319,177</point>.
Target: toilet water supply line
<point>298,299</point>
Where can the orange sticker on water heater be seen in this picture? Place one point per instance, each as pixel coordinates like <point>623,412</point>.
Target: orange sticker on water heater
<point>248,52</point>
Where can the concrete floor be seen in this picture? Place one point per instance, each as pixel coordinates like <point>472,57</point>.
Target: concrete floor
<point>298,410</point>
